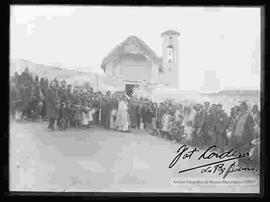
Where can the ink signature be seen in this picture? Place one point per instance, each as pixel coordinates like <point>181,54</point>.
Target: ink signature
<point>217,166</point>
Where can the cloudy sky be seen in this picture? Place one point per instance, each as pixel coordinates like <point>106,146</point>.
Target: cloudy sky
<point>219,47</point>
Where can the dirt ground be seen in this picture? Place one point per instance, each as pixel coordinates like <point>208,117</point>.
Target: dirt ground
<point>98,160</point>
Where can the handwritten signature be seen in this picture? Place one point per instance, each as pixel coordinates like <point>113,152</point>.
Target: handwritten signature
<point>214,167</point>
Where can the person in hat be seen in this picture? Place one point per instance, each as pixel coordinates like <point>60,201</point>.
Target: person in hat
<point>198,123</point>
<point>44,87</point>
<point>62,123</point>
<point>232,118</point>
<point>62,92</point>
<point>243,131</point>
<point>52,105</point>
<point>96,105</point>
<point>77,116</point>
<point>221,125</point>
<point>207,124</point>
<point>67,114</point>
<point>106,110</point>
<point>212,130</point>
<point>20,101</point>
<point>34,101</point>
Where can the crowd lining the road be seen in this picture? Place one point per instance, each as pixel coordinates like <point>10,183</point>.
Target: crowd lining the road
<point>201,125</point>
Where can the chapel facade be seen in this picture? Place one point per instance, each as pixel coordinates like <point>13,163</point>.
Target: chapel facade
<point>134,62</point>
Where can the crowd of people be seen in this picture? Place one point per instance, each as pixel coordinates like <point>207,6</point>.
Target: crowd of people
<point>201,125</point>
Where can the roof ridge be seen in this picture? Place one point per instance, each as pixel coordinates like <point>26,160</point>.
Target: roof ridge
<point>118,49</point>
<point>146,46</point>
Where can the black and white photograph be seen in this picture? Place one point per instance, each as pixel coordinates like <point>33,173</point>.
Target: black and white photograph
<point>135,99</point>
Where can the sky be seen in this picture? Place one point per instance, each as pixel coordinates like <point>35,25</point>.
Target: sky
<point>219,47</point>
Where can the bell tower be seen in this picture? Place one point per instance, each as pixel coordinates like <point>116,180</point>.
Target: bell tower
<point>170,59</point>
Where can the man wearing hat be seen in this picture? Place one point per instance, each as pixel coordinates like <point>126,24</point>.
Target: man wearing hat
<point>207,124</point>
<point>198,123</point>
<point>52,105</point>
<point>243,131</point>
<point>221,125</point>
<point>62,93</point>
<point>106,110</point>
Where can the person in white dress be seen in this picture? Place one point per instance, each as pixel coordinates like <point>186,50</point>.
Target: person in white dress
<point>112,118</point>
<point>122,118</point>
<point>188,122</point>
<point>166,123</point>
<point>84,121</point>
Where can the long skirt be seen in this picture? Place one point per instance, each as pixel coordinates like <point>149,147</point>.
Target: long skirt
<point>154,123</point>
<point>113,119</point>
<point>133,118</point>
<point>18,115</point>
<point>77,116</point>
<point>122,120</point>
<point>91,115</point>
<point>84,118</point>
<point>188,137</point>
<point>19,105</point>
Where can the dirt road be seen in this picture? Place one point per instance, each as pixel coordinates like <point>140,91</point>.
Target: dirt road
<point>101,160</point>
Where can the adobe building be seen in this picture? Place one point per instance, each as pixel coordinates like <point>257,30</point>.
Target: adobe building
<point>134,62</point>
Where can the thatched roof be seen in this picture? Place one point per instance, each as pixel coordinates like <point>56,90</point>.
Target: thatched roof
<point>121,50</point>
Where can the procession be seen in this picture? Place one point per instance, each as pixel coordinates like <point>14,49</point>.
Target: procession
<point>200,125</point>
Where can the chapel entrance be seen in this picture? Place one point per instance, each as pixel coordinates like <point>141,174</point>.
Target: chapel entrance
<point>129,89</point>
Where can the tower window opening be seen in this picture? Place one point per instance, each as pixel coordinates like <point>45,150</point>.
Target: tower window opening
<point>170,54</point>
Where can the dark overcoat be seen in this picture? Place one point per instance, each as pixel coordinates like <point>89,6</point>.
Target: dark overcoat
<point>243,142</point>
<point>221,124</point>
<point>22,98</point>
<point>52,103</point>
<point>105,112</point>
<point>62,94</point>
<point>208,122</point>
<point>132,114</point>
